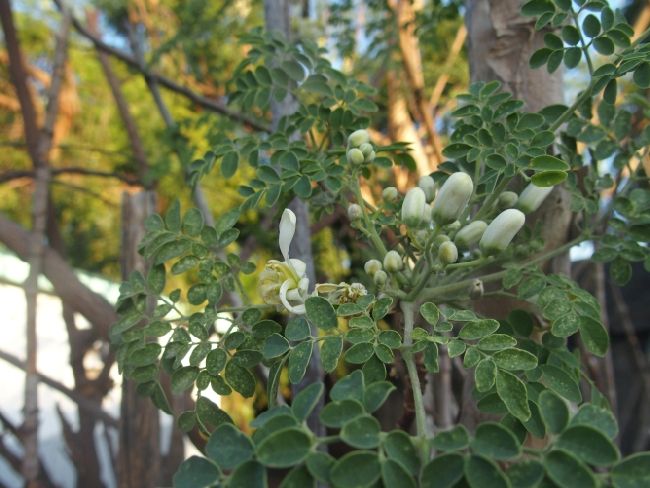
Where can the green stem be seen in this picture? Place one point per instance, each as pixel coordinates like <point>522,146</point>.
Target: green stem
<point>408,309</point>
<point>487,206</point>
<point>370,228</point>
<point>438,291</point>
<point>585,48</point>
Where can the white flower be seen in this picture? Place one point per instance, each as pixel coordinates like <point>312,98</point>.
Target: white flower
<point>285,283</point>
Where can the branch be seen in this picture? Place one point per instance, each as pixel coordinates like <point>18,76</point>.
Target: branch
<point>95,308</point>
<point>81,401</point>
<point>17,174</point>
<point>207,103</point>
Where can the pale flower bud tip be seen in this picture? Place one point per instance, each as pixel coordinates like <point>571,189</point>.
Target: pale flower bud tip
<point>358,137</point>
<point>453,197</point>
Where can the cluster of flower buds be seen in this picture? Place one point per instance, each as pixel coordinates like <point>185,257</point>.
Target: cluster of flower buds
<point>360,148</point>
<point>374,268</point>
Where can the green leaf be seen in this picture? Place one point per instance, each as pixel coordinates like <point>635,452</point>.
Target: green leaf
<point>183,378</point>
<point>275,346</point>
<point>335,414</point>
<point>632,472</point>
<point>604,45</point>
<point>565,470</point>
<point>319,465</point>
<point>598,418</point>
<point>241,380</point>
<point>540,57</point>
<point>495,441</point>
<point>642,75</point>
<point>284,449</point>
<point>229,447</point>
<point>297,329</point>
<point>496,342</point>
<point>537,7</point>
<point>554,410</point>
<point>298,477</point>
<point>547,162</point>
<point>513,393</point>
<point>525,474</point>
<point>394,474</point>
<point>453,439</point>
<point>215,361</point>
<point>196,472</point>
<point>566,324</point>
<point>145,355</point>
<point>390,338</point>
<point>294,69</point>
<point>430,312</point>
<point>299,360</point>
<point>548,178</point>
<point>251,474</point>
<point>210,415</point>
<point>485,374</point>
<point>483,473</point>
<point>589,445</point>
<point>229,164</point>
<point>455,348</point>
<point>398,446</point>
<point>330,352</point>
<point>572,56</point>
<point>620,271</point>
<point>359,353</point>
<point>560,382</point>
<point>514,359</point>
<point>571,35</point>
<point>321,313</point>
<point>306,400</point>
<point>591,25</point>
<point>173,216</point>
<point>455,151</point>
<point>443,471</point>
<point>361,432</point>
<point>376,394</point>
<point>349,387</point>
<point>192,222</point>
<point>356,469</point>
<point>478,329</point>
<point>594,336</point>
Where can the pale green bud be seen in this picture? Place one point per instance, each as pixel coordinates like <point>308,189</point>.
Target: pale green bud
<point>355,156</point>
<point>358,137</point>
<point>414,208</point>
<point>453,226</point>
<point>501,231</point>
<point>380,278</point>
<point>390,194</point>
<point>448,252</point>
<point>507,199</point>
<point>372,266</point>
<point>452,198</point>
<point>469,235</point>
<point>370,157</point>
<point>355,212</point>
<point>393,262</point>
<point>532,197</point>
<point>428,186</point>
<point>440,238</point>
<point>366,149</point>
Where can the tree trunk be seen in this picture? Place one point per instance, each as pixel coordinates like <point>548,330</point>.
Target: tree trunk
<point>138,462</point>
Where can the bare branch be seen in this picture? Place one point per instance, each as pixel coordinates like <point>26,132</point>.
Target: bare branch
<point>207,103</point>
<point>83,402</point>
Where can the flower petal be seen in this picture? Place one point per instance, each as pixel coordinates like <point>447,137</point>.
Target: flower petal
<point>287,230</point>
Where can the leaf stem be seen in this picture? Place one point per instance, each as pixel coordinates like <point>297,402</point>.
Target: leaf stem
<point>408,309</point>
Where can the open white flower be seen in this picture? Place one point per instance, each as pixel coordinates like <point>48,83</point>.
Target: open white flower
<point>285,282</point>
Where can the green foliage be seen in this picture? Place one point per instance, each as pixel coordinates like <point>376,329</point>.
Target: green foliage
<point>525,375</point>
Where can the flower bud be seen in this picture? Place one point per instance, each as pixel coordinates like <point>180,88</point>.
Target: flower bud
<point>501,231</point>
<point>470,234</point>
<point>380,278</point>
<point>355,212</point>
<point>393,262</point>
<point>372,266</point>
<point>440,238</point>
<point>366,149</point>
<point>448,253</point>
<point>454,226</point>
<point>358,137</point>
<point>414,208</point>
<point>370,157</point>
<point>507,199</point>
<point>355,156</point>
<point>428,186</point>
<point>532,197</point>
<point>390,194</point>
<point>452,198</point>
